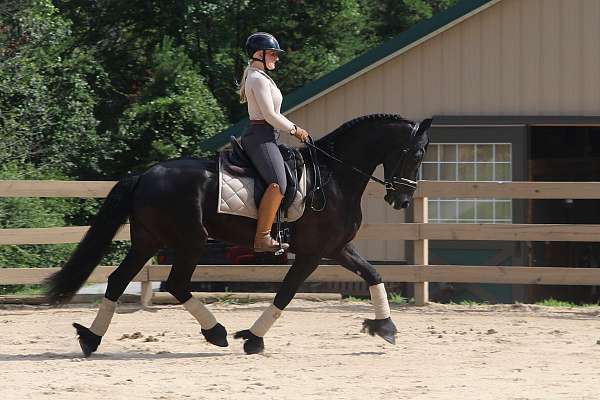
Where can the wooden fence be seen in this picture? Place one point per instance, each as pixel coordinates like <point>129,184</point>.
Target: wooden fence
<point>419,231</point>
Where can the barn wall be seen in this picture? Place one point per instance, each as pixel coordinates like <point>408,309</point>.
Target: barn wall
<point>533,57</point>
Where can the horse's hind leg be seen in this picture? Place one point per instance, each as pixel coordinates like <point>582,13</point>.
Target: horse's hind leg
<point>253,338</point>
<point>382,325</point>
<point>178,284</point>
<point>143,247</point>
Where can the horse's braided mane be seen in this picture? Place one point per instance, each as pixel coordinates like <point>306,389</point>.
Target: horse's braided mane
<point>356,121</point>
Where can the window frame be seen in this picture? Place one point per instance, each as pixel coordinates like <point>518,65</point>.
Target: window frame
<point>438,205</point>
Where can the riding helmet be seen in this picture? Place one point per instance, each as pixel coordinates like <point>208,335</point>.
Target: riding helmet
<point>261,41</point>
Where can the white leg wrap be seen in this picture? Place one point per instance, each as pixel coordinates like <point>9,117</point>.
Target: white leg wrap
<point>380,301</point>
<point>105,313</point>
<point>266,321</point>
<point>195,307</point>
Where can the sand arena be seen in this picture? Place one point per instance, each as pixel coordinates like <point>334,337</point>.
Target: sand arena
<point>315,351</point>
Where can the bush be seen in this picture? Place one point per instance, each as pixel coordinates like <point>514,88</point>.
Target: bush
<point>31,212</point>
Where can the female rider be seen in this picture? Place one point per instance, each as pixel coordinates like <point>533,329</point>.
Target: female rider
<point>260,139</point>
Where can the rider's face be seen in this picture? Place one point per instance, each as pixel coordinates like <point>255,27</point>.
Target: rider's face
<point>271,59</point>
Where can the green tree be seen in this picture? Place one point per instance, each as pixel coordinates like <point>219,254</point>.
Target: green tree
<point>388,18</point>
<point>174,114</point>
<point>319,37</point>
<point>47,97</point>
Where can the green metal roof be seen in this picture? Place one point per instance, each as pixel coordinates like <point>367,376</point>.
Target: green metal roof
<point>359,63</point>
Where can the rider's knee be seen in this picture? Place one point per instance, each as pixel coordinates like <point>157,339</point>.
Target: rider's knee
<point>281,187</point>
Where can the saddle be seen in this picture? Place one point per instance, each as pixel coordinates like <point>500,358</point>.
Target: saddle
<point>237,163</point>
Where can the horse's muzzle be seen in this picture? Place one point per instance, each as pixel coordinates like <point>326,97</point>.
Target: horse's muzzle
<point>397,201</point>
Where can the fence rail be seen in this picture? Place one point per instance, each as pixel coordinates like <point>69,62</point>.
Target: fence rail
<point>406,231</point>
<point>335,273</point>
<point>419,231</point>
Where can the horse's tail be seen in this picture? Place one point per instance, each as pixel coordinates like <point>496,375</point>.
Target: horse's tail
<point>62,285</point>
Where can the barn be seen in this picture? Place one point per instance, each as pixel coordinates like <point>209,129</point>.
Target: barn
<point>513,87</point>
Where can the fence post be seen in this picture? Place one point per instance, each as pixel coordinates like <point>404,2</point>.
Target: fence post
<point>421,250</point>
<point>146,292</point>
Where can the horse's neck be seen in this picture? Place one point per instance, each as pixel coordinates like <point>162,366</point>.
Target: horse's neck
<point>362,154</point>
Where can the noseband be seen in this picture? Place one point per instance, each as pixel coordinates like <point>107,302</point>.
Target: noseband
<point>396,182</point>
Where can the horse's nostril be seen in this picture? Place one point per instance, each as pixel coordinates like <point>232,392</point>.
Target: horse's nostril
<point>405,204</point>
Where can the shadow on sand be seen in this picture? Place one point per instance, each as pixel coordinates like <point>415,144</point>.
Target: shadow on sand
<point>106,356</point>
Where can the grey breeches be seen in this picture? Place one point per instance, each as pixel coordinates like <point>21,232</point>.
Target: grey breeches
<point>260,144</point>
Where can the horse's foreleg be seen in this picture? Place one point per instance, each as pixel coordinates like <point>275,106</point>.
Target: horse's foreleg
<point>382,325</point>
<point>297,274</point>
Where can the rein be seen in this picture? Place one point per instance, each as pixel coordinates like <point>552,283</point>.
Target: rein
<point>389,185</point>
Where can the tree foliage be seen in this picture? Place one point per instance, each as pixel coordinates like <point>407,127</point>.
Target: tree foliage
<point>96,89</point>
<point>46,93</point>
<point>175,111</point>
<point>29,212</point>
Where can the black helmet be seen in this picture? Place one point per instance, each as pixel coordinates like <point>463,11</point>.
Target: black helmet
<point>261,41</point>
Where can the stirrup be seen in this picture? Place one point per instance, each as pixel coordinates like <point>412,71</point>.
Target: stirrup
<point>270,245</point>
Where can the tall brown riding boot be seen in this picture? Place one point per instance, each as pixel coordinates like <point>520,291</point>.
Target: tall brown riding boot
<point>269,204</point>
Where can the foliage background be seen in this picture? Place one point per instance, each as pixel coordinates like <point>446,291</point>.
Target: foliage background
<point>96,89</point>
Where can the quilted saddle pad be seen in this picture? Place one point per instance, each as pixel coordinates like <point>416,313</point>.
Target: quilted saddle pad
<point>236,196</point>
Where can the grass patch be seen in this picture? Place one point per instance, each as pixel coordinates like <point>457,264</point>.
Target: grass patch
<point>397,298</point>
<point>470,303</point>
<point>354,298</point>
<point>232,298</point>
<point>559,303</point>
<point>393,298</point>
<point>21,289</point>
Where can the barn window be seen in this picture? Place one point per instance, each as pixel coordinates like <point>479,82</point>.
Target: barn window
<point>468,162</point>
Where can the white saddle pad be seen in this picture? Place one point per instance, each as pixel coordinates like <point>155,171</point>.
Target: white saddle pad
<point>236,196</point>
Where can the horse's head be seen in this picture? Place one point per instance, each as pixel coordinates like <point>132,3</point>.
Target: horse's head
<point>401,164</point>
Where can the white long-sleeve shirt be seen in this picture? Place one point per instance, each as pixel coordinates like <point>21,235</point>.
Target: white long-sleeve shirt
<point>264,100</point>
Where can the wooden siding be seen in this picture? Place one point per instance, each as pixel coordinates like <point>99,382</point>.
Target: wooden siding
<point>534,57</point>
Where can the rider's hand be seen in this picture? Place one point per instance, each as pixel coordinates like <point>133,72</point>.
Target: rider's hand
<point>301,134</point>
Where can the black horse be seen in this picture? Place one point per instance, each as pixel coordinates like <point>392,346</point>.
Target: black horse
<point>173,204</point>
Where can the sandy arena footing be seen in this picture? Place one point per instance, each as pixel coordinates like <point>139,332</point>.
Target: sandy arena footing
<point>315,351</point>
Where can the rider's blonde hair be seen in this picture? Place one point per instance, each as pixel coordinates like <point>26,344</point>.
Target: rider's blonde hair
<point>243,98</point>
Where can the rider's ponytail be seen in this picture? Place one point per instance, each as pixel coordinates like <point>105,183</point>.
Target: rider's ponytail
<point>243,86</point>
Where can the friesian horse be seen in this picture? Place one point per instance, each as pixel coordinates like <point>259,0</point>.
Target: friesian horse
<point>174,205</point>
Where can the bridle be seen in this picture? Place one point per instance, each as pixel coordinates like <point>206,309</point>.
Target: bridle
<point>393,185</point>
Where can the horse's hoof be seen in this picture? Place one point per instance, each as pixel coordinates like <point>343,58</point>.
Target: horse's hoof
<point>253,344</point>
<point>88,340</point>
<point>216,335</point>
<point>381,327</point>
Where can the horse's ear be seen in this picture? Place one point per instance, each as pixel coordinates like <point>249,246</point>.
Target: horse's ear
<point>424,125</point>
